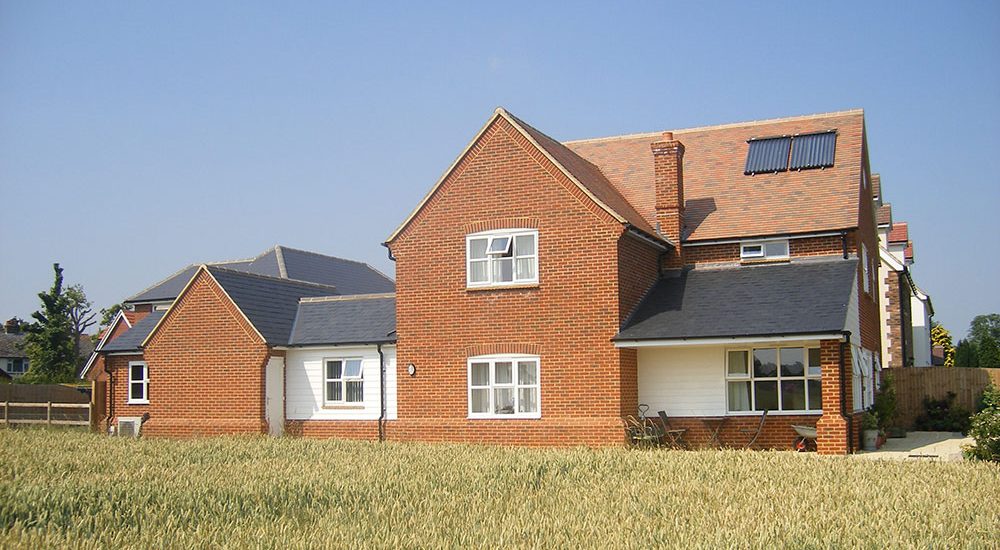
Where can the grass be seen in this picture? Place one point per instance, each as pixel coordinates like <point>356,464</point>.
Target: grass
<point>64,488</point>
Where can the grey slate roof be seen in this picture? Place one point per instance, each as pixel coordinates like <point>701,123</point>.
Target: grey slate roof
<point>131,339</point>
<point>269,303</point>
<point>10,345</point>
<point>766,300</point>
<point>346,320</point>
<point>348,276</point>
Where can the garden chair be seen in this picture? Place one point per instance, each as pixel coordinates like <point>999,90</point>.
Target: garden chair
<point>756,434</point>
<point>672,437</point>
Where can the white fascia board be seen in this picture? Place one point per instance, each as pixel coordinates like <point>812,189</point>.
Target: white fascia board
<point>726,340</point>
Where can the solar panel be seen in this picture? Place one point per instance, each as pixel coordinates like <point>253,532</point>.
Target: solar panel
<point>814,150</point>
<point>768,155</point>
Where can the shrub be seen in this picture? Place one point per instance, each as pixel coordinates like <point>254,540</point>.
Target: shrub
<point>985,427</point>
<point>885,403</point>
<point>941,415</point>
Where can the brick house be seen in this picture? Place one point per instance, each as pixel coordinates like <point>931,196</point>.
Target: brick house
<point>543,291</point>
<point>546,289</point>
<point>204,351</point>
<point>906,310</point>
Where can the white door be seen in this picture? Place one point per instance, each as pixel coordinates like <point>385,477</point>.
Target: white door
<point>274,395</point>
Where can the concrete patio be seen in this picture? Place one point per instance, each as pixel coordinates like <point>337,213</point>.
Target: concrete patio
<point>934,446</point>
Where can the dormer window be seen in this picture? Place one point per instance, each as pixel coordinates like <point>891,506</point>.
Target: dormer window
<point>501,258</point>
<point>764,250</point>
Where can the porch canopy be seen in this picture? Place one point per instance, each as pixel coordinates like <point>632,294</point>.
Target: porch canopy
<point>813,299</point>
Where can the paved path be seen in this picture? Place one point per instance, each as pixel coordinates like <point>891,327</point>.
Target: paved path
<point>938,446</point>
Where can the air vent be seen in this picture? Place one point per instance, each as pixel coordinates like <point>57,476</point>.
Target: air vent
<point>129,427</point>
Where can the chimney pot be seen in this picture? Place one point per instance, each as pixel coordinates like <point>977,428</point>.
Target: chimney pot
<point>668,136</point>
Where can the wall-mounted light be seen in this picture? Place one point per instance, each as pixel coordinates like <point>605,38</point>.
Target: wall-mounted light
<point>412,369</point>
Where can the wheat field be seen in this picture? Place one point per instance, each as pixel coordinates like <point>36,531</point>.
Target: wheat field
<point>63,488</point>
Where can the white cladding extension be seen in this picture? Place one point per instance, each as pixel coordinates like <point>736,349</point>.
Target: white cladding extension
<point>304,380</point>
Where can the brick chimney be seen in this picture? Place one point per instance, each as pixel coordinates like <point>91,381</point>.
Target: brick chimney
<point>12,326</point>
<point>668,166</point>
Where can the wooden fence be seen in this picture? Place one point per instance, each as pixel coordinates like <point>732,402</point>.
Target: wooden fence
<point>913,384</point>
<point>53,404</point>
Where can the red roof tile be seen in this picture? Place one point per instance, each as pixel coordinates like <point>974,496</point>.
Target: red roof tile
<point>883,215</point>
<point>900,233</point>
<point>720,200</point>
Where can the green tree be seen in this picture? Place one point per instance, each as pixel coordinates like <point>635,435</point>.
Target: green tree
<point>49,342</point>
<point>965,354</point>
<point>988,353</point>
<point>941,337</point>
<point>81,316</point>
<point>985,327</point>
<point>108,314</point>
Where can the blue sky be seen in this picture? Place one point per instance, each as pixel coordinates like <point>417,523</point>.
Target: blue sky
<point>138,137</point>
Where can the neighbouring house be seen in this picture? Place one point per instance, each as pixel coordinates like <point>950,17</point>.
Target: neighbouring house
<point>205,351</point>
<point>544,289</point>
<point>906,310</point>
<point>13,360</point>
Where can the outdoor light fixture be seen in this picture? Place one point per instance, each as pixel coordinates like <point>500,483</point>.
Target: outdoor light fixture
<point>412,369</point>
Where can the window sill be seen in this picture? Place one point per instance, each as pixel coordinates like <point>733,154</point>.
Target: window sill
<point>502,287</point>
<point>137,402</point>
<point>776,413</point>
<point>505,417</point>
<point>343,407</point>
<point>758,261</point>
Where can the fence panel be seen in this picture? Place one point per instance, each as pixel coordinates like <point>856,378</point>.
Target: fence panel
<point>913,384</point>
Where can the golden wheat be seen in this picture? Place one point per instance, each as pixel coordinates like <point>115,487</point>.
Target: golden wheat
<point>61,488</point>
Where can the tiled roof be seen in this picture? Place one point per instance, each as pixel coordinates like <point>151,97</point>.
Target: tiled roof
<point>883,214</point>
<point>350,277</point>
<point>132,339</point>
<point>767,300</point>
<point>359,319</point>
<point>877,187</point>
<point>900,233</point>
<point>10,345</point>
<point>590,176</point>
<point>721,201</point>
<point>269,303</point>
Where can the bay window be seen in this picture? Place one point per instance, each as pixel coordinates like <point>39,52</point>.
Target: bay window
<point>502,258</point>
<point>504,387</point>
<point>773,379</point>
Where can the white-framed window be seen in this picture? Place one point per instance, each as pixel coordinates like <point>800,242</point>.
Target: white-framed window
<point>17,366</point>
<point>343,380</point>
<point>138,383</point>
<point>773,379</point>
<point>866,269</point>
<point>757,250</point>
<point>499,258</point>
<point>504,386</point>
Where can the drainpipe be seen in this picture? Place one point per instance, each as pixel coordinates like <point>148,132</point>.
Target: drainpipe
<point>381,385</point>
<point>843,391</point>
<point>843,242</point>
<point>109,392</point>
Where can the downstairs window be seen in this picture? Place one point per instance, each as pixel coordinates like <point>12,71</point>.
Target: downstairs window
<point>773,379</point>
<point>504,387</point>
<point>343,381</point>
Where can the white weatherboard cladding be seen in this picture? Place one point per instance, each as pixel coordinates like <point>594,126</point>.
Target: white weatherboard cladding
<point>852,321</point>
<point>921,332</point>
<point>274,398</point>
<point>683,381</point>
<point>304,384</point>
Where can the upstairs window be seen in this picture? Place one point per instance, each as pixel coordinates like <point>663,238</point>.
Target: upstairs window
<point>502,258</point>
<point>343,381</point>
<point>17,366</point>
<point>764,250</point>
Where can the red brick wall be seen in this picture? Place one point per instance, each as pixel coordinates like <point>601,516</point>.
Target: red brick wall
<point>797,248</point>
<point>867,233</point>
<point>569,317</point>
<point>637,273</point>
<point>206,369</point>
<point>737,431</point>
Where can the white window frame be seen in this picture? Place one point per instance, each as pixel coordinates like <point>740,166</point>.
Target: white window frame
<point>515,384</point>
<point>778,378</point>
<point>762,253</point>
<point>343,380</point>
<point>144,381</point>
<point>490,237</point>
<point>17,372</point>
